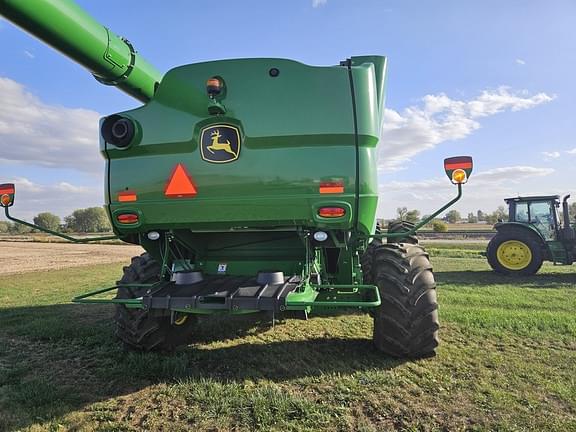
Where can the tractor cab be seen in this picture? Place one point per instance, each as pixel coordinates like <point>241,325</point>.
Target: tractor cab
<point>541,212</point>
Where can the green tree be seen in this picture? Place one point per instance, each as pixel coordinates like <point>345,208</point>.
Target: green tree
<point>408,215</point>
<point>5,227</point>
<point>481,215</point>
<point>491,218</point>
<point>439,226</point>
<point>47,220</point>
<point>501,213</point>
<point>401,212</point>
<point>452,216</point>
<point>17,228</point>
<point>92,219</point>
<point>572,210</point>
<point>413,216</point>
<point>472,218</point>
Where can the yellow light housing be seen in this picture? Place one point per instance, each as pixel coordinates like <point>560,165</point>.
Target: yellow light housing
<point>459,176</point>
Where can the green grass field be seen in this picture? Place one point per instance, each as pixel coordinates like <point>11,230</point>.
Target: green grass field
<point>507,362</point>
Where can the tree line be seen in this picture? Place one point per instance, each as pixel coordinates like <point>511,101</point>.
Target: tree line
<point>454,216</point>
<point>88,220</point>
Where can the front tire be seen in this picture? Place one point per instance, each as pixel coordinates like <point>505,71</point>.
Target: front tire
<point>145,330</point>
<point>514,253</point>
<point>406,323</point>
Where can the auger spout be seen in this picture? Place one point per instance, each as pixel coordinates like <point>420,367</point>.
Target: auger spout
<point>63,25</point>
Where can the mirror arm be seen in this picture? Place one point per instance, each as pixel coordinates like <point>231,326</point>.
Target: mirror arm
<point>64,236</point>
<point>423,222</point>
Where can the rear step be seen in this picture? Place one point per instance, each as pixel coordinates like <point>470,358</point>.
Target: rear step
<point>231,293</point>
<point>241,294</point>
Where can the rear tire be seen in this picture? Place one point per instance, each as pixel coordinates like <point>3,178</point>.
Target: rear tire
<point>145,330</point>
<point>401,226</point>
<point>406,323</point>
<point>514,253</point>
<point>367,258</point>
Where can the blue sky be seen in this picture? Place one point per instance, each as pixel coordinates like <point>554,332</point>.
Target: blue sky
<point>493,79</point>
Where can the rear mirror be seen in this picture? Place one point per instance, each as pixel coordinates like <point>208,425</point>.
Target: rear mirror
<point>7,194</point>
<point>458,169</point>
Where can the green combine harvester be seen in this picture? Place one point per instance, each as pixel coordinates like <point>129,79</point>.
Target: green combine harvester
<point>252,185</point>
<point>532,235</point>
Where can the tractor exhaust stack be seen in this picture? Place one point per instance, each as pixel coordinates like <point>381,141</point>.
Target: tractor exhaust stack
<point>565,212</point>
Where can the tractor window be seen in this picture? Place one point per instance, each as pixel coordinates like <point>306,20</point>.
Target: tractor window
<point>541,217</point>
<point>521,212</point>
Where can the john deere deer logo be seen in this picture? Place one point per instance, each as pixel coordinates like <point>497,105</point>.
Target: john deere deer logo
<point>220,143</point>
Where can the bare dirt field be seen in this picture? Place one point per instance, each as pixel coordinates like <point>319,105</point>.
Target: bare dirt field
<point>23,257</point>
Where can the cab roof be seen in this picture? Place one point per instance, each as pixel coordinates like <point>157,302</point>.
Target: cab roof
<point>533,198</point>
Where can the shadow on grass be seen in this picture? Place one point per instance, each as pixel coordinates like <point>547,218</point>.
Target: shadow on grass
<point>479,279</point>
<point>57,359</point>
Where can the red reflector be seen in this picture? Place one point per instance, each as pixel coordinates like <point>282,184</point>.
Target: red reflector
<point>180,184</point>
<point>127,196</point>
<point>331,212</point>
<point>5,200</point>
<point>331,187</point>
<point>6,189</point>
<point>455,166</point>
<point>458,162</point>
<point>127,218</point>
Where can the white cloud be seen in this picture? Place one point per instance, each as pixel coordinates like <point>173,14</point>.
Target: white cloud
<point>573,151</point>
<point>514,174</point>
<point>318,3</point>
<point>439,118</point>
<point>60,198</point>
<point>520,61</point>
<point>29,54</point>
<point>54,136</point>
<point>496,176</point>
<point>551,155</point>
<point>485,190</point>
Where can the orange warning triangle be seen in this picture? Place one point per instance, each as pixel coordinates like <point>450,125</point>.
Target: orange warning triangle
<point>180,184</point>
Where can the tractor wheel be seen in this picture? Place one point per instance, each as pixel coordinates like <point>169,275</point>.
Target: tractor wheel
<point>401,226</point>
<point>144,330</point>
<point>514,253</point>
<point>406,323</point>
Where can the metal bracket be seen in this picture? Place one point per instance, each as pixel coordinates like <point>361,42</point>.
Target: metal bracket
<point>87,298</point>
<point>129,68</point>
<point>57,234</point>
<point>419,225</point>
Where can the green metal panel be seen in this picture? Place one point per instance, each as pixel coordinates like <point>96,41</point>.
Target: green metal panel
<point>501,226</point>
<point>67,28</point>
<point>297,130</point>
<point>559,253</point>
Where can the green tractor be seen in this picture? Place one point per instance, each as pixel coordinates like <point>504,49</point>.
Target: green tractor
<point>251,184</point>
<point>532,235</point>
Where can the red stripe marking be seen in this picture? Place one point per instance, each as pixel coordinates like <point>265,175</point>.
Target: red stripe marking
<point>7,190</point>
<point>461,165</point>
